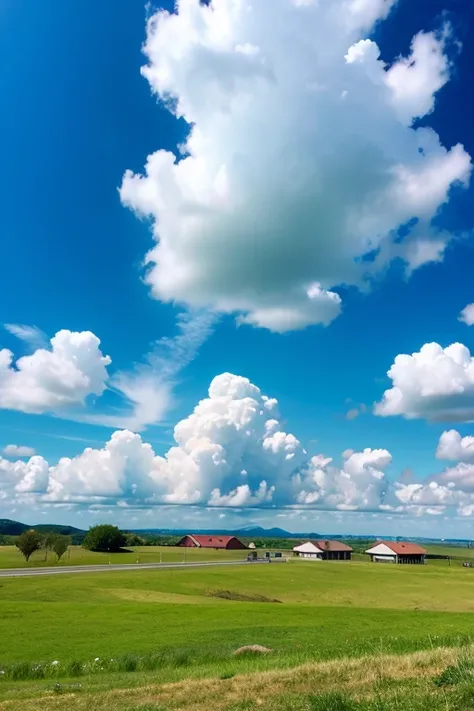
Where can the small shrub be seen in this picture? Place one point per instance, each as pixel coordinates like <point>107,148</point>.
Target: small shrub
<point>227,675</point>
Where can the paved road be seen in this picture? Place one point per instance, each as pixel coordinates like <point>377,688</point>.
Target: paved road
<point>26,572</point>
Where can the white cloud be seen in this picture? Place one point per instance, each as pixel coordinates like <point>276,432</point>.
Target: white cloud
<point>414,80</point>
<point>49,380</point>
<point>60,376</point>
<point>32,335</point>
<point>461,476</point>
<point>15,450</point>
<point>148,388</point>
<point>232,452</point>
<point>435,384</point>
<point>243,496</point>
<point>360,484</point>
<point>300,158</point>
<point>125,468</point>
<point>454,447</point>
<point>232,439</point>
<point>23,477</point>
<point>467,315</point>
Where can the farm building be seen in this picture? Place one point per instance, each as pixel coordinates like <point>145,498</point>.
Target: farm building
<point>391,552</point>
<point>222,542</point>
<point>323,550</point>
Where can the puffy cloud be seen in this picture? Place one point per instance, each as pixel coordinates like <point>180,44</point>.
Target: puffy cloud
<point>461,476</point>
<point>230,452</point>
<point>454,447</point>
<point>15,450</point>
<point>125,468</point>
<point>243,496</point>
<point>467,315</point>
<point>301,156</point>
<point>414,80</point>
<point>360,484</point>
<point>435,384</point>
<point>49,380</point>
<point>232,435</point>
<point>24,477</point>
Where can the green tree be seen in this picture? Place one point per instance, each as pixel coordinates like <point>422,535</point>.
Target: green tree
<point>133,539</point>
<point>104,537</point>
<point>29,542</point>
<point>47,543</point>
<point>60,545</point>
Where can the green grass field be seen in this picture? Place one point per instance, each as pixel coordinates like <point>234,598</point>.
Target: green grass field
<point>166,627</point>
<point>10,556</point>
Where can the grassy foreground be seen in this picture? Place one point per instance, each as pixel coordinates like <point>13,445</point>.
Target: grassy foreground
<point>441,679</point>
<point>117,641</point>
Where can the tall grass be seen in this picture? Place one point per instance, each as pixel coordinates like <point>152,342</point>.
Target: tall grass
<point>221,659</point>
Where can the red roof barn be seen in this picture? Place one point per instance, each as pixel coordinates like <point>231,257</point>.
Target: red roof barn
<point>223,542</point>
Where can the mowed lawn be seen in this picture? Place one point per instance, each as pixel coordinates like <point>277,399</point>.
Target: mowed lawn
<point>10,556</point>
<point>326,609</point>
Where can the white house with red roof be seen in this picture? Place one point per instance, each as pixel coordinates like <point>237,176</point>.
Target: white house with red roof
<point>397,552</point>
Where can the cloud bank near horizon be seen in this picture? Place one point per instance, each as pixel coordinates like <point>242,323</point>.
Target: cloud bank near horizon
<point>232,452</point>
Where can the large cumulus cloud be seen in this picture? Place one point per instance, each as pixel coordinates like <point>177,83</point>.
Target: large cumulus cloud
<point>301,156</point>
<point>231,451</point>
<point>435,384</point>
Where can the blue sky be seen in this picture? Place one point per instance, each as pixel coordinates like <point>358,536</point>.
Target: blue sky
<point>78,113</point>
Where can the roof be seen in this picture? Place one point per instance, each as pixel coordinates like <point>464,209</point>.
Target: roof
<point>211,541</point>
<point>333,546</point>
<point>307,547</point>
<point>403,547</point>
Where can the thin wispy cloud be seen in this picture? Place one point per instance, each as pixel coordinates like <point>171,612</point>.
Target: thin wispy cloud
<point>148,388</point>
<point>31,335</point>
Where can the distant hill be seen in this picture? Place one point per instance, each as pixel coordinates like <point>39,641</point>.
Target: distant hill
<point>246,532</point>
<point>15,528</point>
<point>12,528</point>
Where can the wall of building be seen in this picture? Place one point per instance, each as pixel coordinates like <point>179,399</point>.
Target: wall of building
<point>235,544</point>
